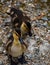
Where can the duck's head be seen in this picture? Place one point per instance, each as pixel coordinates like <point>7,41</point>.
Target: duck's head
<point>15,12</point>
<point>11,12</point>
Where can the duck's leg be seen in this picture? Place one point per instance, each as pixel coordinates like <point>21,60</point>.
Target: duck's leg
<point>12,62</point>
<point>22,59</point>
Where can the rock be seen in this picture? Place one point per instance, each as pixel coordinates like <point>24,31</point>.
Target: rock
<point>38,6</point>
<point>1,62</point>
<point>1,49</point>
<point>44,48</point>
<point>43,1</point>
<point>30,4</point>
<point>48,32</point>
<point>4,52</point>
<point>44,19</point>
<point>36,37</point>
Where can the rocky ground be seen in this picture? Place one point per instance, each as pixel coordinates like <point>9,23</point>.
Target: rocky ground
<point>38,52</point>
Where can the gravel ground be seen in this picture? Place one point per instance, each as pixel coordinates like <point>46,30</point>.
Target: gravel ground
<point>38,52</point>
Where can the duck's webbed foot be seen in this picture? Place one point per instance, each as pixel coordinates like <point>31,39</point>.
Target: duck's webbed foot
<point>22,60</point>
<point>12,61</point>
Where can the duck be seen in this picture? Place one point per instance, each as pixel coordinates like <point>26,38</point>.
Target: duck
<point>16,48</point>
<point>17,15</point>
<point>20,21</point>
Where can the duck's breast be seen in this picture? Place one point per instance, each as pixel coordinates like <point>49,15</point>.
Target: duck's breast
<point>16,49</point>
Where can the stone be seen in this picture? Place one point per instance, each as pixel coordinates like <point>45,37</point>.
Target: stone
<point>1,62</point>
<point>43,0</point>
<point>1,49</point>
<point>44,19</point>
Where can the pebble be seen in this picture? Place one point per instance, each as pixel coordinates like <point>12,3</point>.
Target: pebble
<point>44,19</point>
<point>1,49</point>
<point>43,1</point>
<point>1,62</point>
